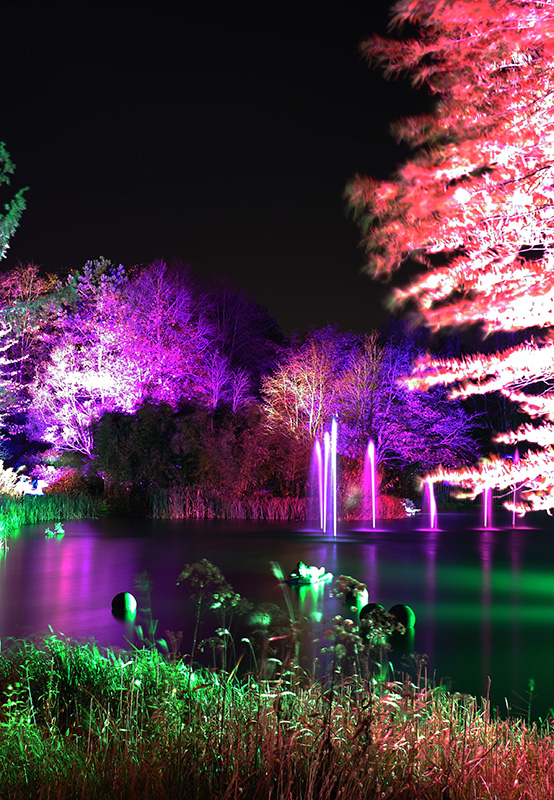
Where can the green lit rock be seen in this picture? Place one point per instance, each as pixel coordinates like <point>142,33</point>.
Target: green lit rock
<point>124,605</point>
<point>404,614</point>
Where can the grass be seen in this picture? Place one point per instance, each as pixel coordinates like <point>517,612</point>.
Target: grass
<point>78,722</point>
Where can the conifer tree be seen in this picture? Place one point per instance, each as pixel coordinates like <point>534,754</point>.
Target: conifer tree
<point>14,208</point>
<point>472,210</point>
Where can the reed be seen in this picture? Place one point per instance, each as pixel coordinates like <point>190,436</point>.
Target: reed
<point>32,509</point>
<point>189,502</point>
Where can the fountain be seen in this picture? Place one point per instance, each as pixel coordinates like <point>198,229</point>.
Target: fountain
<point>516,461</point>
<point>317,480</point>
<point>487,507</point>
<point>324,486</point>
<point>369,485</point>
<point>431,503</point>
<point>324,482</point>
<point>324,479</point>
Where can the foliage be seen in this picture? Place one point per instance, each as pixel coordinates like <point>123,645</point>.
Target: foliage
<point>14,208</point>
<point>471,210</point>
<point>153,385</point>
<point>69,481</point>
<point>206,585</point>
<point>301,394</point>
<point>58,532</point>
<point>12,401</point>
<point>158,448</point>
<point>31,509</point>
<point>148,448</point>
<point>29,306</point>
<point>124,342</point>
<point>186,502</point>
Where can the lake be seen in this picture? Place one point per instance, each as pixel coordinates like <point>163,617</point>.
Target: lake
<point>483,599</point>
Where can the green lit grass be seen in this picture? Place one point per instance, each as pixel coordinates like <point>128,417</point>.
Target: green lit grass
<point>77,722</point>
<point>32,509</point>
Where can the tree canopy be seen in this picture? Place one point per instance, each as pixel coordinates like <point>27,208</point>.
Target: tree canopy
<point>471,212</point>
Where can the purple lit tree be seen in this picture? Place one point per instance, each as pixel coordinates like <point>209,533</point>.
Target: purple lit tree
<point>245,332</point>
<point>167,318</point>
<point>124,342</point>
<point>357,379</point>
<point>409,429</point>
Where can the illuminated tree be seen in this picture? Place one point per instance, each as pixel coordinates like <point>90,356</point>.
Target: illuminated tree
<point>245,332</point>
<point>26,314</point>
<point>124,342</point>
<point>14,208</point>
<point>300,396</point>
<point>357,380</point>
<point>28,304</point>
<point>472,211</point>
<point>166,317</point>
<point>408,429</point>
<point>10,396</point>
<point>240,390</point>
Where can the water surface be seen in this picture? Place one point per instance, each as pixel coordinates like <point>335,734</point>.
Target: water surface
<point>484,599</point>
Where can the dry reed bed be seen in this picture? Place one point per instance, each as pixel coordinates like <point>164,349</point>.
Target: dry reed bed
<point>75,722</point>
<point>189,502</point>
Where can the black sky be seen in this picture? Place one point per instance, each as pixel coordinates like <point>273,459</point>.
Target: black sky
<point>219,133</point>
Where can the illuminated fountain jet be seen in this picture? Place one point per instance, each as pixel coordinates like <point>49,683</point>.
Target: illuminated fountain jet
<point>487,507</point>
<point>370,484</point>
<point>324,478</point>
<point>431,502</point>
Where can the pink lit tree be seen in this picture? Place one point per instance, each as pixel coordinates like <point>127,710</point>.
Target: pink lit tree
<point>28,306</point>
<point>471,212</point>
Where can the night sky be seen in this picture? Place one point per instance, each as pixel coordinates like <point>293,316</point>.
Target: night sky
<point>222,134</point>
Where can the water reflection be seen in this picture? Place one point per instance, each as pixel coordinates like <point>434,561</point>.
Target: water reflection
<point>483,599</point>
<point>430,547</point>
<point>486,546</point>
